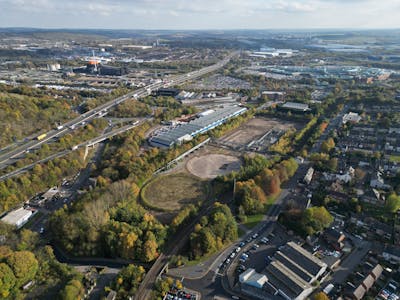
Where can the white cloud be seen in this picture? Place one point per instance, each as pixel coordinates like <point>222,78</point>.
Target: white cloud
<point>187,14</point>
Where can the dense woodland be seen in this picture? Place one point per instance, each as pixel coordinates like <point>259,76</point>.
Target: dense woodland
<point>255,193</point>
<point>109,223</point>
<point>25,259</point>
<point>23,115</point>
<point>127,281</point>
<point>213,232</point>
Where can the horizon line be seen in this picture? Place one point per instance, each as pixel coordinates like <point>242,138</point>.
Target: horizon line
<point>208,29</point>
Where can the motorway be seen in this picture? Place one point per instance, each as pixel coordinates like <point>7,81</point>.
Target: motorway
<point>10,154</point>
<point>89,143</point>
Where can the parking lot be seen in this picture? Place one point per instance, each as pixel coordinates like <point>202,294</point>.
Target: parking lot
<point>176,294</point>
<point>266,245</point>
<point>253,251</point>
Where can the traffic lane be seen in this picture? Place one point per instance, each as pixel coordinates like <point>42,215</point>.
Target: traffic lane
<point>209,286</point>
<point>65,152</point>
<point>90,115</point>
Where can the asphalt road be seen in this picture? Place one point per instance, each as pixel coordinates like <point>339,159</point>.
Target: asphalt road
<point>89,143</point>
<point>13,153</point>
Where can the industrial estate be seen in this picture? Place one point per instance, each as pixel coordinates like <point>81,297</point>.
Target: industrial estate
<point>199,164</point>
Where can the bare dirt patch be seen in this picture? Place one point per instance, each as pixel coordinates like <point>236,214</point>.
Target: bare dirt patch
<point>212,165</point>
<point>254,129</point>
<point>174,191</point>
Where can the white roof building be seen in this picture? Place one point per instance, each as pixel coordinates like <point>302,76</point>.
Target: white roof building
<point>18,217</point>
<point>296,106</point>
<point>351,117</point>
<point>252,278</point>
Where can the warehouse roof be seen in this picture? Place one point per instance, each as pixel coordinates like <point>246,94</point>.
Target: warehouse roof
<point>288,281</point>
<point>197,126</point>
<point>301,272</point>
<point>15,216</point>
<point>303,258</point>
<point>296,106</point>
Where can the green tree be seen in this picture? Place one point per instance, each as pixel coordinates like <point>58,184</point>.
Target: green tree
<point>327,145</point>
<point>315,219</point>
<point>393,203</point>
<point>28,240</point>
<point>7,280</point>
<point>72,291</point>
<point>128,280</point>
<point>332,164</point>
<point>24,265</point>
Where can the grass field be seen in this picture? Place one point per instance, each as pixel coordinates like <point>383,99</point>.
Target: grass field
<point>253,220</point>
<point>395,158</point>
<point>172,192</point>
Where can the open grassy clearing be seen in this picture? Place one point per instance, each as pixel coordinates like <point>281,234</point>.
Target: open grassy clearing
<point>395,158</point>
<point>172,192</point>
<point>253,220</point>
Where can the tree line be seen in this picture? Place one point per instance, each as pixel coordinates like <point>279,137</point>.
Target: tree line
<point>26,260</point>
<point>253,195</point>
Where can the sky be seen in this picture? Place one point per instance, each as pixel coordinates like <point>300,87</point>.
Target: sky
<point>201,14</point>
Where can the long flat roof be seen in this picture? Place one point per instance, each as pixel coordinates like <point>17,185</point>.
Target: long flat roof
<point>303,258</point>
<point>287,280</point>
<point>295,105</point>
<point>301,272</point>
<point>197,125</point>
<point>16,215</point>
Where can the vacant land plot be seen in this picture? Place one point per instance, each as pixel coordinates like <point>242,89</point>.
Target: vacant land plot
<point>212,165</point>
<point>172,192</point>
<point>254,129</point>
<point>259,132</point>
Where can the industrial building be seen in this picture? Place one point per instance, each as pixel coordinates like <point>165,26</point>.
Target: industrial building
<point>255,284</point>
<point>272,52</point>
<point>97,68</point>
<point>18,217</point>
<point>205,122</point>
<point>351,117</point>
<point>293,270</point>
<point>290,274</point>
<point>295,106</point>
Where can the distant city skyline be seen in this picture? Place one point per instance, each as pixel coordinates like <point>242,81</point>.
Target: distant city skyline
<point>201,14</point>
